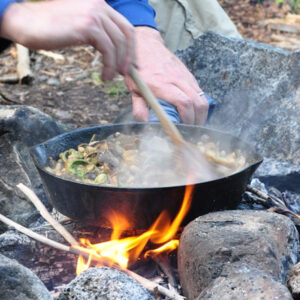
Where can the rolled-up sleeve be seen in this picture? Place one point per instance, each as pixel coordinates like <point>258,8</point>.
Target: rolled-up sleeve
<point>137,12</point>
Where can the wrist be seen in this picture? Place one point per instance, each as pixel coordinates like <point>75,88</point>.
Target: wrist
<point>147,32</point>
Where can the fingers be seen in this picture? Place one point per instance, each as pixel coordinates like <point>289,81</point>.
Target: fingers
<point>140,110</point>
<point>118,48</point>
<point>104,44</point>
<point>198,102</point>
<point>128,32</point>
<point>183,102</point>
<point>114,38</point>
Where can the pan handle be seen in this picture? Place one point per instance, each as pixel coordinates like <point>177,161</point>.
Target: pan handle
<point>172,111</point>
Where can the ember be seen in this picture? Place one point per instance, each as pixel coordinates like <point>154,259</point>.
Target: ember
<point>122,251</point>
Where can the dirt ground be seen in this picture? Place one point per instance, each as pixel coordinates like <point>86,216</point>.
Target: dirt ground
<point>71,90</point>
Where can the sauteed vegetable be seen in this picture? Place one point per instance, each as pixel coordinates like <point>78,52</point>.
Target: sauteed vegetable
<point>137,161</point>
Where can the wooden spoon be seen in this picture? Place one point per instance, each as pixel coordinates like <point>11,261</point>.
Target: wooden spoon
<point>191,155</point>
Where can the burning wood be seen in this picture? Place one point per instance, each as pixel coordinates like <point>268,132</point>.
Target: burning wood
<point>122,251</point>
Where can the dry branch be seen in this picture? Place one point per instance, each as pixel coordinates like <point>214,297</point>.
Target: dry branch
<point>286,39</point>
<point>285,27</point>
<point>23,67</point>
<point>33,234</point>
<point>277,205</point>
<point>46,215</point>
<point>153,287</point>
<point>163,261</point>
<point>56,56</point>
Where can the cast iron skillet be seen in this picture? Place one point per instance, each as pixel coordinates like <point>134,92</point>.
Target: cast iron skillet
<point>91,204</point>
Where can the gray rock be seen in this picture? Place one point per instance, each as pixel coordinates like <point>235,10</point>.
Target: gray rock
<point>294,281</point>
<point>104,284</point>
<point>257,90</point>
<point>63,114</point>
<point>19,283</point>
<point>222,243</point>
<point>244,287</point>
<point>282,175</point>
<point>53,81</point>
<point>20,128</point>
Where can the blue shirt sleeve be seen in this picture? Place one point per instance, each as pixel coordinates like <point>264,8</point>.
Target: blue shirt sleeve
<point>137,12</point>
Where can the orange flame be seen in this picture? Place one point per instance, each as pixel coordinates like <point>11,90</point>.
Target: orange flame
<point>122,251</point>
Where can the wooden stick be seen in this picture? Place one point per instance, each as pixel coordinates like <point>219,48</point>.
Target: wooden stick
<point>147,94</point>
<point>287,39</point>
<point>11,79</point>
<point>33,234</point>
<point>278,203</point>
<point>264,195</point>
<point>151,286</point>
<point>163,261</point>
<point>46,215</point>
<point>56,56</point>
<point>23,66</point>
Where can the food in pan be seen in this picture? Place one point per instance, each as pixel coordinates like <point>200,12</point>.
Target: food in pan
<point>137,160</point>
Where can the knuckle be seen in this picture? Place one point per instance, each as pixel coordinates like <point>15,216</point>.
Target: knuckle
<point>187,103</point>
<point>201,104</point>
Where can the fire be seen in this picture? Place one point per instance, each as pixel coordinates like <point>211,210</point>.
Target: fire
<point>121,251</point>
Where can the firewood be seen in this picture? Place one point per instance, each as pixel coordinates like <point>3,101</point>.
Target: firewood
<point>163,261</point>
<point>289,24</point>
<point>285,27</point>
<point>46,215</point>
<point>23,66</point>
<point>287,39</point>
<point>277,205</point>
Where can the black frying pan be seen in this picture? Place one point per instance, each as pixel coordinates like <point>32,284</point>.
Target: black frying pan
<point>91,204</point>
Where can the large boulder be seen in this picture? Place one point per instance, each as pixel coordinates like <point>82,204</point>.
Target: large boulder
<point>257,90</point>
<point>19,283</point>
<point>227,243</point>
<point>20,128</point>
<point>245,286</point>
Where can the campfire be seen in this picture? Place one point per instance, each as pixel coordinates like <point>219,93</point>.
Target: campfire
<point>122,251</point>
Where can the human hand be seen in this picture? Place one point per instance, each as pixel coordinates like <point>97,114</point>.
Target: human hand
<point>167,77</point>
<point>56,24</point>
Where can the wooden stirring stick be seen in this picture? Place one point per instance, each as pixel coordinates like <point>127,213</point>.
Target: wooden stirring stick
<point>191,156</point>
<point>147,94</point>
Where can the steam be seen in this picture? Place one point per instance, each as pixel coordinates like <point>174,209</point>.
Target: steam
<point>158,162</point>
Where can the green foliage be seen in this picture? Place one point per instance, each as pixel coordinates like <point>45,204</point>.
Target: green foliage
<point>96,79</point>
<point>294,4</point>
<point>117,87</point>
